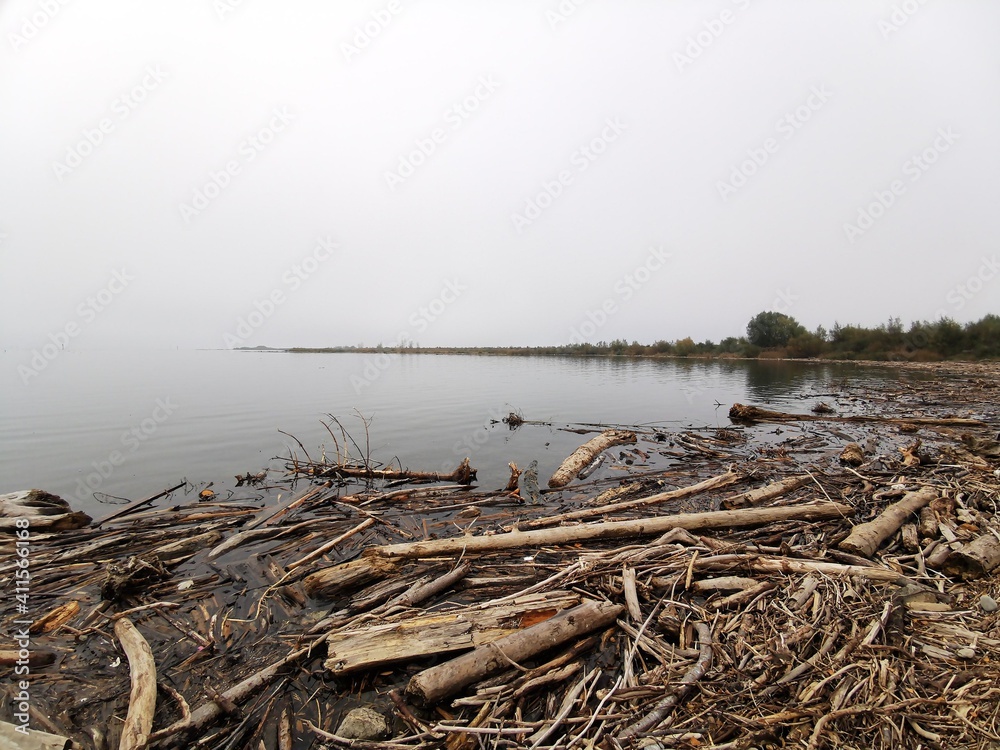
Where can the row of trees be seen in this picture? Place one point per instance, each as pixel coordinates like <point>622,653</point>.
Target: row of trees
<point>774,334</point>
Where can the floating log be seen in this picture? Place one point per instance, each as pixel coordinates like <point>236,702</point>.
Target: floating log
<point>142,700</point>
<point>586,453</point>
<point>464,474</point>
<point>742,413</point>
<point>434,684</point>
<point>975,559</point>
<point>865,538</point>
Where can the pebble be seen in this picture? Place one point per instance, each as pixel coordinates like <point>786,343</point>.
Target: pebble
<point>363,724</point>
<point>987,603</point>
<point>966,653</point>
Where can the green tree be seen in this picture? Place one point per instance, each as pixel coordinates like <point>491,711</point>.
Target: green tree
<point>767,329</point>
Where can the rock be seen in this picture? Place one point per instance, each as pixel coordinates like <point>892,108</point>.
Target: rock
<point>966,653</point>
<point>987,603</point>
<point>852,454</point>
<point>363,724</point>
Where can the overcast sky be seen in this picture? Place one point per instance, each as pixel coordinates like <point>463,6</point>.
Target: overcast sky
<point>210,173</point>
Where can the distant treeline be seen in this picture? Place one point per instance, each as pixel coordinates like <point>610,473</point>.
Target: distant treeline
<point>774,335</point>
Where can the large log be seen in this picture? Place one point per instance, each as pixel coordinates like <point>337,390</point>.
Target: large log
<point>750,414</point>
<point>722,480</point>
<point>328,582</point>
<point>719,519</point>
<point>434,684</point>
<point>865,538</point>
<point>586,453</point>
<point>142,700</point>
<point>438,633</point>
<point>975,559</point>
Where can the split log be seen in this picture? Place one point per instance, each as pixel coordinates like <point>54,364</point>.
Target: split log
<point>142,700</point>
<point>721,480</point>
<point>975,559</point>
<point>764,494</point>
<point>43,510</point>
<point>719,519</point>
<point>582,456</point>
<point>438,682</point>
<point>865,538</point>
<point>751,414</point>
<point>353,574</point>
<point>375,646</point>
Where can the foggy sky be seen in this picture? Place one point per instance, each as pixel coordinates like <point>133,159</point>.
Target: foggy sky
<point>207,173</point>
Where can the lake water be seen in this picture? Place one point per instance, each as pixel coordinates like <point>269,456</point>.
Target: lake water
<point>132,423</point>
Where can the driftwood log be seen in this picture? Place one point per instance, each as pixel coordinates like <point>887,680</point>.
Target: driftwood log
<point>718,519</point>
<point>11,738</point>
<point>865,538</point>
<point>142,699</point>
<point>349,575</point>
<point>975,559</point>
<point>586,453</point>
<point>722,480</point>
<point>764,494</point>
<point>438,682</point>
<point>42,509</point>
<point>464,474</point>
<point>749,414</point>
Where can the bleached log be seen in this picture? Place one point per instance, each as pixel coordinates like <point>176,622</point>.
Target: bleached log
<point>586,453</point>
<point>142,699</point>
<point>865,538</point>
<point>763,494</point>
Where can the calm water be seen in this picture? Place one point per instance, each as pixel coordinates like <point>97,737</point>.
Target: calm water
<point>130,424</point>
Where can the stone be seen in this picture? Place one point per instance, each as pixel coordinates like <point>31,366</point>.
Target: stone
<point>987,603</point>
<point>363,724</point>
<point>966,653</point>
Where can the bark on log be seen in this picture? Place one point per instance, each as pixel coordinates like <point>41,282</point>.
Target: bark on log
<point>434,684</point>
<point>722,480</point>
<point>36,658</point>
<point>719,519</point>
<point>975,559</point>
<point>865,538</point>
<point>763,494</point>
<point>464,474</point>
<point>328,582</point>
<point>142,699</point>
<point>586,453</point>
<point>750,414</point>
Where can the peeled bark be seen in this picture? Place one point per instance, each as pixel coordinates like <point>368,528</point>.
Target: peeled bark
<point>142,700</point>
<point>866,537</point>
<point>586,453</point>
<point>434,684</point>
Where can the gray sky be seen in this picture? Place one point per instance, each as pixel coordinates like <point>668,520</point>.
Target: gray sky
<point>206,174</point>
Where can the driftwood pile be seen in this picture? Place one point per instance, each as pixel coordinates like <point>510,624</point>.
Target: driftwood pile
<point>747,586</point>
